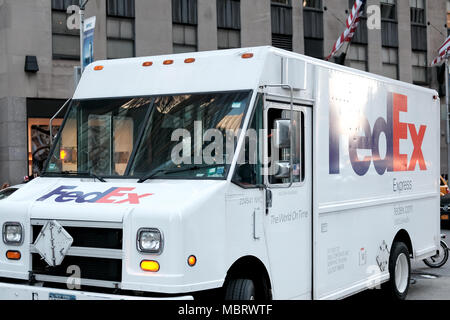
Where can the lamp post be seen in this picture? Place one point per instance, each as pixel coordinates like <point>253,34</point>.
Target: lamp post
<point>82,8</point>
<point>447,100</point>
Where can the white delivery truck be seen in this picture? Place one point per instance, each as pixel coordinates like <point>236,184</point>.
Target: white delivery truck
<point>257,173</point>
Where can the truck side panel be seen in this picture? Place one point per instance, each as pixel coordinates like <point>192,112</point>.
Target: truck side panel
<point>377,172</point>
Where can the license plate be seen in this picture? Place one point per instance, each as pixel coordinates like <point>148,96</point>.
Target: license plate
<point>445,217</point>
<point>60,296</point>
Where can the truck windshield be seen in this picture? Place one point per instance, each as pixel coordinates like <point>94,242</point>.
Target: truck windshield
<point>157,136</point>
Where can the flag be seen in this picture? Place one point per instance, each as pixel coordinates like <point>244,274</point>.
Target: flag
<point>352,25</point>
<point>443,52</point>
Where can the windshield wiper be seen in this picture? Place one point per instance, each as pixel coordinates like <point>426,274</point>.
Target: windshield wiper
<point>166,171</point>
<point>77,173</point>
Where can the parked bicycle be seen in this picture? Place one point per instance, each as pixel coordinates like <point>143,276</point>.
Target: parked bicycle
<point>440,259</point>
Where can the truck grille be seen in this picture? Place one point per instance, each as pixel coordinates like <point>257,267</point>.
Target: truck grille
<point>96,251</point>
<point>90,237</point>
<point>91,268</point>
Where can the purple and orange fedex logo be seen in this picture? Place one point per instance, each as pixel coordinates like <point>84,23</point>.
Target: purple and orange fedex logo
<point>394,131</point>
<point>112,195</point>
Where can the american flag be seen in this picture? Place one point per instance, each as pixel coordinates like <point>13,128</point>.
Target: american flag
<point>443,52</point>
<point>352,25</point>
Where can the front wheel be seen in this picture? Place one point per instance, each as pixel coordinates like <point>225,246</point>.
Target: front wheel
<point>400,272</point>
<point>240,290</point>
<point>440,259</point>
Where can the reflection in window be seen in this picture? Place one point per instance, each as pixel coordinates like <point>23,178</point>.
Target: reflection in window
<point>98,136</point>
<point>194,115</point>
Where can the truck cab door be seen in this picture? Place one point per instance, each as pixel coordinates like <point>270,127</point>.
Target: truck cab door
<point>288,218</point>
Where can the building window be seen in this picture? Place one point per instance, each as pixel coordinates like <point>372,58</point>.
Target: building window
<point>228,24</point>
<point>357,53</point>
<point>281,14</point>
<point>419,42</point>
<point>357,57</point>
<point>65,42</point>
<point>313,28</point>
<point>390,62</point>
<point>120,29</point>
<point>184,30</point>
<point>419,66</point>
<point>389,25</point>
<point>389,38</point>
<point>361,34</point>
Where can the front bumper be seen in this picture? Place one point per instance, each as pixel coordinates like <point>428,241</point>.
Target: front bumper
<point>10,291</point>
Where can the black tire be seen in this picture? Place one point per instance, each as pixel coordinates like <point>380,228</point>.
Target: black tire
<point>240,290</point>
<point>390,287</point>
<point>430,263</point>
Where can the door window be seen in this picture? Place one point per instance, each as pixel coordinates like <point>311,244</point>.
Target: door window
<point>283,154</point>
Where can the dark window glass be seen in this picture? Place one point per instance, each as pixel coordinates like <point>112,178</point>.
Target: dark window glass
<point>281,19</point>
<point>63,4</point>
<point>418,25</point>
<point>184,11</point>
<point>361,34</point>
<point>388,10</point>
<point>314,48</point>
<point>248,173</point>
<point>313,24</point>
<point>389,34</point>
<point>312,4</point>
<point>281,15</point>
<point>229,14</point>
<point>313,28</point>
<point>65,42</point>
<point>282,2</point>
<point>120,8</point>
<point>389,26</point>
<point>419,37</point>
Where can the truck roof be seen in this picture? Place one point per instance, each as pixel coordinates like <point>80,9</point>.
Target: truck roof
<point>208,71</point>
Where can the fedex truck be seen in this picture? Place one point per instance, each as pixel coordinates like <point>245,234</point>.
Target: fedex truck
<point>250,173</point>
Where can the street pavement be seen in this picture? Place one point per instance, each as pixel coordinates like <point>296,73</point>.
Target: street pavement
<point>428,283</point>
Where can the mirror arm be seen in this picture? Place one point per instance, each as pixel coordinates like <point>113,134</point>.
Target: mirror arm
<point>53,118</point>
<point>291,160</point>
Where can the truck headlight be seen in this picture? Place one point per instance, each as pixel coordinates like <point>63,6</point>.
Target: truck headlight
<point>12,233</point>
<point>150,241</point>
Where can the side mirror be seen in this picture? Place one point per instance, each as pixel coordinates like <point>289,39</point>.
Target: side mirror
<point>282,134</point>
<point>282,170</point>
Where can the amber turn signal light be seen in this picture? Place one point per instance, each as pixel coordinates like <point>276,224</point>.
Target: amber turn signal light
<point>13,255</point>
<point>247,55</point>
<point>150,265</point>
<point>192,261</point>
<point>98,68</point>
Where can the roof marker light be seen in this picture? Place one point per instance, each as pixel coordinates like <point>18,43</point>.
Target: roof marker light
<point>167,62</point>
<point>189,60</point>
<point>147,64</point>
<point>247,56</point>
<point>98,68</point>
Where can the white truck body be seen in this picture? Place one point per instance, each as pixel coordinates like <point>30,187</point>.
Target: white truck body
<point>370,175</point>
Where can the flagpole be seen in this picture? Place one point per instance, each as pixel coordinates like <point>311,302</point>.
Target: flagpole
<point>447,99</point>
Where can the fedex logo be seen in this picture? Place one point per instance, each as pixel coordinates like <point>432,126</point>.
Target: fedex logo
<point>112,195</point>
<point>394,131</point>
